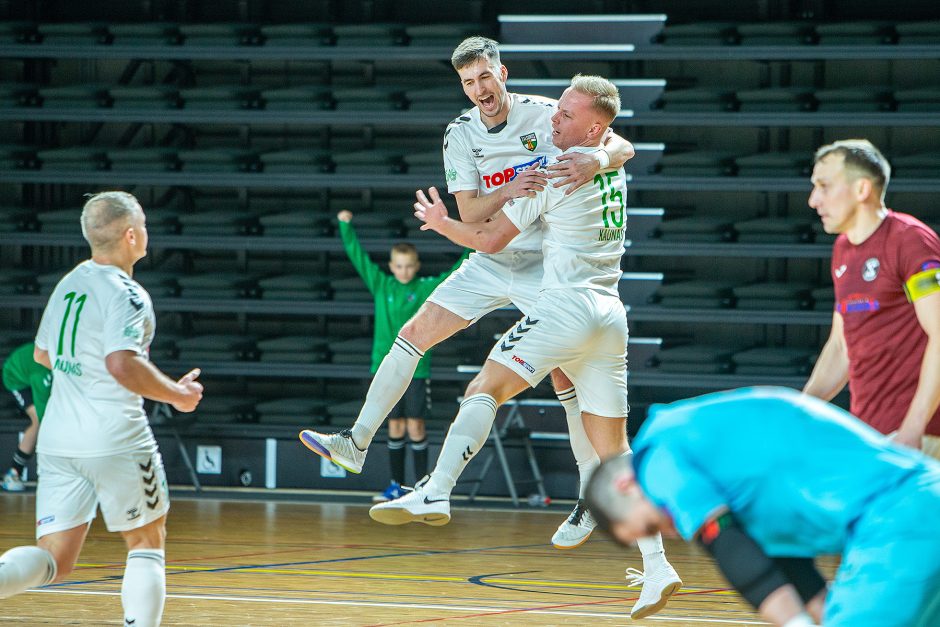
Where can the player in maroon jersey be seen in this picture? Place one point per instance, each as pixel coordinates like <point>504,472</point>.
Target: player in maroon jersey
<point>885,338</point>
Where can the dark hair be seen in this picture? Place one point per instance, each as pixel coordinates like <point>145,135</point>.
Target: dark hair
<point>860,156</point>
<point>404,248</point>
<point>473,48</point>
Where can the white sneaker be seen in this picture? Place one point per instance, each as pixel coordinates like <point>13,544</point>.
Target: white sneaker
<point>576,529</point>
<point>416,506</point>
<point>659,583</point>
<point>339,448</point>
<point>12,482</point>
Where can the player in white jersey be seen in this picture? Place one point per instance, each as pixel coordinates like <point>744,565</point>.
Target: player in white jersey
<point>578,323</point>
<point>95,445</point>
<point>491,154</point>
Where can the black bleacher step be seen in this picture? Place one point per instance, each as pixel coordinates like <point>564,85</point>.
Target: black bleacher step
<point>777,296</point>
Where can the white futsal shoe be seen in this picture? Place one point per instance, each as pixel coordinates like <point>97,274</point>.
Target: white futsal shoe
<point>416,506</point>
<point>339,448</point>
<point>576,529</point>
<point>660,581</point>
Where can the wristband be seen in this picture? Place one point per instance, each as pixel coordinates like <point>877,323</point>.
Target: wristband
<point>603,158</point>
<point>800,620</point>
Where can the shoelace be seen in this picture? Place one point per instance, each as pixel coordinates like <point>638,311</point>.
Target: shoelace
<point>576,515</point>
<point>347,433</point>
<point>635,577</point>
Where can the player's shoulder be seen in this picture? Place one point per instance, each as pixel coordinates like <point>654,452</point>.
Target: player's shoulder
<point>462,123</point>
<point>907,225</point>
<point>529,101</point>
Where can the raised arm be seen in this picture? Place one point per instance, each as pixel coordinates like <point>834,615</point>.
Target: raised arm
<point>489,237</point>
<point>370,272</point>
<point>831,372</point>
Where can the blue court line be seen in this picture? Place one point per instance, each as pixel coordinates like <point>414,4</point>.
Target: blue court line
<point>306,563</point>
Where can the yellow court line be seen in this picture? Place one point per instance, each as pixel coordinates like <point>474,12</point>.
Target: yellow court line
<point>332,573</point>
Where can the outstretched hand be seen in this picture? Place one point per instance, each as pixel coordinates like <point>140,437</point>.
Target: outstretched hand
<point>432,212</point>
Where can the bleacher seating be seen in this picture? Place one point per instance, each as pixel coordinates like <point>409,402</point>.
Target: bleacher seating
<point>244,134</point>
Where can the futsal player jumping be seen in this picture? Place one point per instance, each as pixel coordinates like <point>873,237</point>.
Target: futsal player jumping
<point>490,154</point>
<point>578,323</point>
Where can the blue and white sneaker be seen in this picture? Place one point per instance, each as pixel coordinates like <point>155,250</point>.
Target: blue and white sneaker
<point>392,492</point>
<point>339,448</point>
<point>12,482</point>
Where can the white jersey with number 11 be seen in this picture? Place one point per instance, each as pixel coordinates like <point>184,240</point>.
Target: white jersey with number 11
<point>94,311</point>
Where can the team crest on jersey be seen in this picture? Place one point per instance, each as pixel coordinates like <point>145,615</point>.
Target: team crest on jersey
<point>870,272</point>
<point>530,142</point>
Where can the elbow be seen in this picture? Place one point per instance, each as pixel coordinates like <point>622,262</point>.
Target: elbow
<point>42,357</point>
<point>119,365</point>
<point>491,244</point>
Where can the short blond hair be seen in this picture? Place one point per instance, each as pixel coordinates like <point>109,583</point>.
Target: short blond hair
<point>605,95</point>
<point>106,216</point>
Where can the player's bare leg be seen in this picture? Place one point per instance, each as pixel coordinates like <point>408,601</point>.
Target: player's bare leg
<point>143,589</point>
<point>579,525</point>
<point>430,501</point>
<point>658,578</point>
<point>51,560</point>
<point>430,326</point>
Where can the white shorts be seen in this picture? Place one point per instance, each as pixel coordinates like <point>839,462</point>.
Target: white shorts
<point>129,487</point>
<point>582,331</point>
<point>485,282</point>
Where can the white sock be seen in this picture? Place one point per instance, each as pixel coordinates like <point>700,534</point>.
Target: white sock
<point>144,588</point>
<point>584,453</point>
<point>25,567</point>
<point>387,387</point>
<point>464,439</point>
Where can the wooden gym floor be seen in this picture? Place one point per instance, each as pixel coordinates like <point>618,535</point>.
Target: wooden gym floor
<point>288,563</point>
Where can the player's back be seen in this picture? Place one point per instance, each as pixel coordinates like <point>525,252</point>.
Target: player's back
<point>95,310</point>
<point>797,471</point>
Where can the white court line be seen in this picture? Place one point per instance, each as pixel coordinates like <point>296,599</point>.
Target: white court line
<point>408,606</point>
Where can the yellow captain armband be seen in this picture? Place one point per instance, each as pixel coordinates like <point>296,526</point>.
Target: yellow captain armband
<point>922,284</point>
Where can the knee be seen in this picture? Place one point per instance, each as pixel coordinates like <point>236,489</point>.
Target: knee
<point>416,430</point>
<point>560,380</point>
<point>152,536</point>
<point>63,568</point>
<point>396,428</point>
<point>415,330</point>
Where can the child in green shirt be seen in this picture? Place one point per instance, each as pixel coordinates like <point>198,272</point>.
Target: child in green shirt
<point>30,384</point>
<point>398,296</point>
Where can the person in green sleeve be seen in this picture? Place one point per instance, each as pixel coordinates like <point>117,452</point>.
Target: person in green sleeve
<point>30,383</point>
<point>397,298</point>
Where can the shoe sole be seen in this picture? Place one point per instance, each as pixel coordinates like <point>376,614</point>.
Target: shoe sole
<point>398,516</point>
<point>322,451</point>
<point>649,610</point>
<point>566,547</point>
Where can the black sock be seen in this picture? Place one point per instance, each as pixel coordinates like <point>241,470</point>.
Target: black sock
<point>20,459</point>
<point>419,451</point>
<point>396,458</point>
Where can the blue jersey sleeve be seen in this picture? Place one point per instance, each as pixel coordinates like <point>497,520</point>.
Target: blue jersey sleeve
<point>676,486</point>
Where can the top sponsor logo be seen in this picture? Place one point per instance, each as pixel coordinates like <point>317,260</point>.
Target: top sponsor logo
<point>501,178</point>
